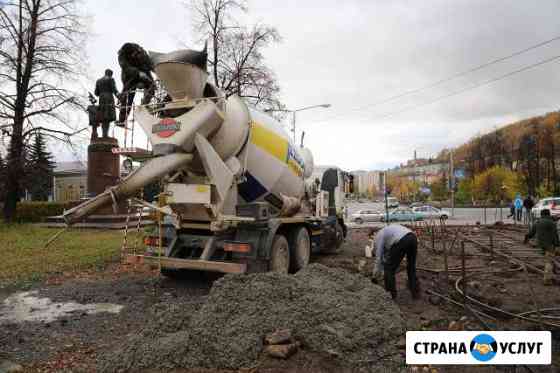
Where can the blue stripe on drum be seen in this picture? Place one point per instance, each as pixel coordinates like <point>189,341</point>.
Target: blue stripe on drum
<point>251,189</point>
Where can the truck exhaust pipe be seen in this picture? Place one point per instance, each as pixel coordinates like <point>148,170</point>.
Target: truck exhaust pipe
<point>149,172</point>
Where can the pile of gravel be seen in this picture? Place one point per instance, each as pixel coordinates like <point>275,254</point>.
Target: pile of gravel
<point>328,310</point>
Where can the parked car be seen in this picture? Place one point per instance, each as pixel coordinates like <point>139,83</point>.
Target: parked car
<point>403,214</point>
<point>366,215</point>
<point>392,202</point>
<point>430,212</point>
<point>551,203</point>
<point>416,204</point>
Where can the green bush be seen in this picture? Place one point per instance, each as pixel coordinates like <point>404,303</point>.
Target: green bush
<point>464,193</point>
<point>33,212</point>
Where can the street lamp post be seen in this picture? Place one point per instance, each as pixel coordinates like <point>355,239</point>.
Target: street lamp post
<point>293,129</point>
<point>326,106</point>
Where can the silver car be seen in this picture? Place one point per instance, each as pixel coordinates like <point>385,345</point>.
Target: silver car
<point>366,216</point>
<point>430,212</point>
<point>552,204</point>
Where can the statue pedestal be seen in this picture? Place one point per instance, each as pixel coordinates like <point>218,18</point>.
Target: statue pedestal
<point>103,169</point>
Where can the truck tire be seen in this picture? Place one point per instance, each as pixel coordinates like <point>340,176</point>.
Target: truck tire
<point>279,255</point>
<point>338,241</point>
<point>300,248</point>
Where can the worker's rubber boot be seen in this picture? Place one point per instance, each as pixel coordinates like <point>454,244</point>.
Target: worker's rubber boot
<point>416,292</point>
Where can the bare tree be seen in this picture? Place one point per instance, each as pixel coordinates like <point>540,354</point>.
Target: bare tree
<point>236,61</point>
<point>41,56</point>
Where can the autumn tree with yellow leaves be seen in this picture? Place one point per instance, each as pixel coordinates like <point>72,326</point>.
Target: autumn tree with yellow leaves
<point>497,184</point>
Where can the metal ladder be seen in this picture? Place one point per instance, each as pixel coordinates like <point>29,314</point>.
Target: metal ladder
<point>125,249</point>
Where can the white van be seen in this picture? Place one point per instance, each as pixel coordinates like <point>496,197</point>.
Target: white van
<point>392,202</point>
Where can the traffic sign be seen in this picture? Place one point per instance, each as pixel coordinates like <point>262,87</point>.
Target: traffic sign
<point>518,203</point>
<point>425,190</point>
<point>459,173</point>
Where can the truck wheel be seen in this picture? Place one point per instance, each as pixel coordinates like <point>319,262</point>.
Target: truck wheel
<point>279,255</point>
<point>300,249</point>
<point>337,242</point>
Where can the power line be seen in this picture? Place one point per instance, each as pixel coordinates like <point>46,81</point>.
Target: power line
<point>484,83</point>
<point>445,80</point>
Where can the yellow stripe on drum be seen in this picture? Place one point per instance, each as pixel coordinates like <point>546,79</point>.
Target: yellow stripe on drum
<point>270,142</point>
<point>296,168</point>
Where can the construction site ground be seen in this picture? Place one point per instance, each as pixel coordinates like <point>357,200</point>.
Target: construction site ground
<point>503,284</point>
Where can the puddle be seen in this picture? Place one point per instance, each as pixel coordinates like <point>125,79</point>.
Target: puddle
<point>27,306</point>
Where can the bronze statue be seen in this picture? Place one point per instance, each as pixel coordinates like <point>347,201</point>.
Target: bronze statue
<point>136,73</point>
<point>106,89</point>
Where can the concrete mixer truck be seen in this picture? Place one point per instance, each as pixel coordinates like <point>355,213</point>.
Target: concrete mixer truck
<point>237,194</point>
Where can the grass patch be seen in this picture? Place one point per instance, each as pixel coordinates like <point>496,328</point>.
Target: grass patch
<point>24,257</point>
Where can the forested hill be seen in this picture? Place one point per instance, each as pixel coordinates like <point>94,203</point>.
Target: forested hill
<point>504,144</point>
<point>529,147</point>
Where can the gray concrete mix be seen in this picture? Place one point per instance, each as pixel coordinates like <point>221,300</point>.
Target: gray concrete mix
<point>329,311</point>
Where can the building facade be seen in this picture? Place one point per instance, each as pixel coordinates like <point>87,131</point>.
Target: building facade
<point>368,183</point>
<point>69,181</point>
<point>424,173</point>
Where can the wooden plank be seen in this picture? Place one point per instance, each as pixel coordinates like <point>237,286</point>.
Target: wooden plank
<point>196,225</point>
<point>292,220</point>
<point>196,264</point>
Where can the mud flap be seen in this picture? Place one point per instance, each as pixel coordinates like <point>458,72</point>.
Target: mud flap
<point>333,235</point>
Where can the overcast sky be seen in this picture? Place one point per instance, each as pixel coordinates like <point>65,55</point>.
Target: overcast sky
<point>353,54</point>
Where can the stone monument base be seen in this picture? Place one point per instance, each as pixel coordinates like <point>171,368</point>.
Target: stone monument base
<point>103,170</point>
